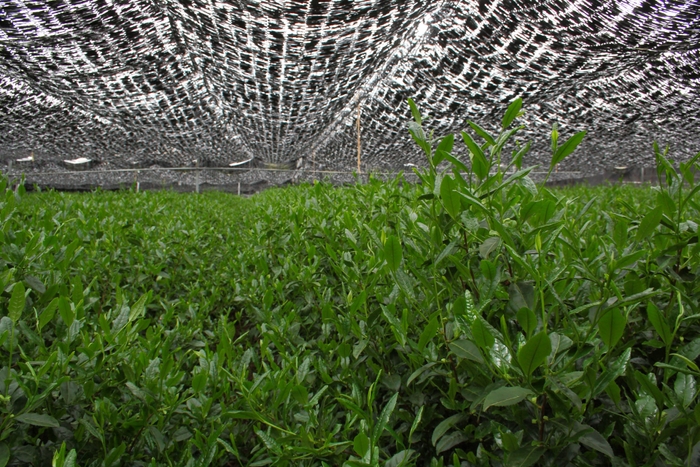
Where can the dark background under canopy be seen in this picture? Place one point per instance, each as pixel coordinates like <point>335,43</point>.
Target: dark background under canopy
<point>162,83</point>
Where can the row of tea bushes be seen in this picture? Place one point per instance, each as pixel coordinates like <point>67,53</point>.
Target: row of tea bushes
<point>474,319</point>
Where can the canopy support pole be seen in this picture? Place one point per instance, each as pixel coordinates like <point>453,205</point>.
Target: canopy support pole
<point>197,180</point>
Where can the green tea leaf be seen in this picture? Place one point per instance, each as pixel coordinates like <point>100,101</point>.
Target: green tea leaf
<point>17,302</point>
<point>114,455</point>
<point>649,387</point>
<point>445,425</point>
<point>525,456</point>
<point>447,251</point>
<point>534,352</point>
<point>448,442</point>
<point>481,334</point>
<point>491,275</point>
<point>512,113</point>
<point>521,295</point>
<point>629,259</point>
<point>419,372</point>
<point>611,326</point>
<point>479,163</point>
<point>269,441</point>
<point>667,203</point>
<point>66,311</point>
<point>691,364</point>
<point>483,133</point>
<point>414,111</point>
<point>589,437</point>
<point>458,165</point>
<point>428,333</point>
<point>450,198</point>
<point>488,246</point>
<point>571,395</point>
<point>527,320</point>
<point>659,322</point>
<point>505,396</point>
<point>517,161</point>
<point>361,444</point>
<point>418,135</point>
<point>384,418</point>
<point>567,148</point>
<point>527,183</point>
<point>47,315</point>
<point>469,308</point>
<point>4,454</point>
<point>37,419</point>
<point>613,390</point>
<point>71,459</point>
<point>464,348</point>
<point>555,137</point>
<point>646,406</point>
<point>400,459</point>
<point>500,356</point>
<point>615,370</point>
<point>649,223</point>
<point>138,308</point>
<point>685,388</point>
<point>35,284</point>
<point>416,421</point>
<point>393,253</point>
<point>444,149</point>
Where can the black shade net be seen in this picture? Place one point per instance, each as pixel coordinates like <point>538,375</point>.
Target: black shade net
<point>144,83</point>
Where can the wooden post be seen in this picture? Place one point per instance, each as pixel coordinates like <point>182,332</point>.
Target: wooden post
<point>359,141</point>
<point>239,188</point>
<point>313,164</point>
<point>197,179</point>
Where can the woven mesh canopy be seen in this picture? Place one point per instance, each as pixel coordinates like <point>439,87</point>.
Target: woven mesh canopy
<point>279,82</point>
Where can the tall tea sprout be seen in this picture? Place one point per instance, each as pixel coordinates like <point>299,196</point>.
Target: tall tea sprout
<point>559,153</point>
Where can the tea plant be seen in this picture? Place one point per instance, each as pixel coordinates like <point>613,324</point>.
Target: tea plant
<point>549,354</point>
<point>474,319</point>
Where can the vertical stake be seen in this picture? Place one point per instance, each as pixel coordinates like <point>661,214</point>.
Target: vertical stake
<point>198,174</point>
<point>359,141</point>
<point>641,177</point>
<point>313,164</point>
<point>239,188</point>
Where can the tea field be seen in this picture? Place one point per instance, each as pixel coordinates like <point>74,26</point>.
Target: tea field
<point>465,321</point>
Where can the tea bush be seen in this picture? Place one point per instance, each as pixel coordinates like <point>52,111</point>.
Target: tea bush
<point>474,319</point>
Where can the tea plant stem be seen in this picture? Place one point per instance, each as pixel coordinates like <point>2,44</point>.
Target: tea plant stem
<point>545,318</point>
<point>138,435</point>
<point>509,264</point>
<point>9,362</point>
<point>543,407</point>
<point>466,248</point>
